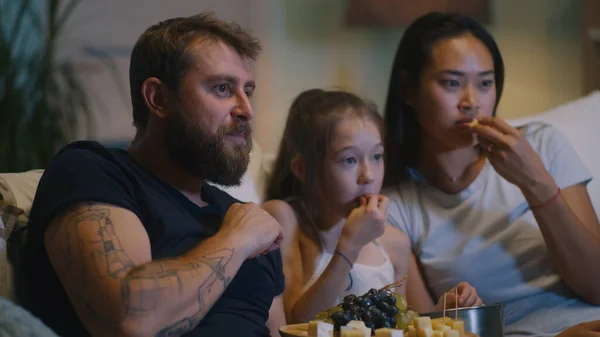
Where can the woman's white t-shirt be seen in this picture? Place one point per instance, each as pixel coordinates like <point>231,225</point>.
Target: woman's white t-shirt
<point>487,235</point>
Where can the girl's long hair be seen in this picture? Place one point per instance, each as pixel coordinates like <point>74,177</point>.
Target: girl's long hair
<point>311,122</point>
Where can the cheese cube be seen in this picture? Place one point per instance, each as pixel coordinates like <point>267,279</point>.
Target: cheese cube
<point>451,333</point>
<point>459,326</point>
<point>312,328</point>
<point>438,334</point>
<point>422,323</point>
<point>359,326</point>
<point>356,325</point>
<point>437,326</point>
<point>426,332</point>
<point>442,320</point>
<point>412,332</point>
<point>319,329</point>
<point>352,333</point>
<point>386,332</point>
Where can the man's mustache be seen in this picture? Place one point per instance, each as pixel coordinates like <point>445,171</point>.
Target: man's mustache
<point>237,128</point>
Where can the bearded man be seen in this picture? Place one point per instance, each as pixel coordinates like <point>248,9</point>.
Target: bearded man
<point>136,242</point>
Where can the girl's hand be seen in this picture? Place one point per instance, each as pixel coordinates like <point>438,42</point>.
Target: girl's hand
<point>467,297</point>
<point>512,156</point>
<point>366,222</point>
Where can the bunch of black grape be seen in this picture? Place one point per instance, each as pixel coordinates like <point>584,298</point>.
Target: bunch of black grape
<point>377,309</point>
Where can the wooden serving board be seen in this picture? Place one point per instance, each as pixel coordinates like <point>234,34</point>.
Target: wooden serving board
<point>301,330</point>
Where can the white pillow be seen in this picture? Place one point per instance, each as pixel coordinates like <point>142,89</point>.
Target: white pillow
<point>21,188</point>
<point>11,217</point>
<point>578,120</point>
<point>18,190</point>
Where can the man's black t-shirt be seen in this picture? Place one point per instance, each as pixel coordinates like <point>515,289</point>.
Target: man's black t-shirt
<point>89,172</point>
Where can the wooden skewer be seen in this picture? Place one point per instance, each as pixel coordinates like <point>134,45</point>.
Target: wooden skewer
<point>456,305</point>
<point>444,312</point>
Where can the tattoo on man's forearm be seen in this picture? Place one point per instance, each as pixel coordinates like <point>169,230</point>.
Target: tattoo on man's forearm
<point>217,262</point>
<point>142,287</point>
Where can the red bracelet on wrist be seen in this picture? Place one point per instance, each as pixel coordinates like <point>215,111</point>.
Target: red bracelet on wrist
<point>542,204</point>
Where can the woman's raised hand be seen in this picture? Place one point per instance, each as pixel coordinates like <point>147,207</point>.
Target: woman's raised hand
<point>510,153</point>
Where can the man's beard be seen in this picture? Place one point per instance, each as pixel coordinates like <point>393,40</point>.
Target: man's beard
<point>205,155</point>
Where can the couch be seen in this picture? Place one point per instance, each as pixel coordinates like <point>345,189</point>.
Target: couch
<point>578,120</point>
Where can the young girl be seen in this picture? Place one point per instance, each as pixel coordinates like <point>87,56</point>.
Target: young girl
<point>329,171</point>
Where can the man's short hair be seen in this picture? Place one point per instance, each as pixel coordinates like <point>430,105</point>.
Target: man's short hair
<point>162,52</point>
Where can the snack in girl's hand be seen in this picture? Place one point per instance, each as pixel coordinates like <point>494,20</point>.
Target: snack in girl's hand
<point>473,123</point>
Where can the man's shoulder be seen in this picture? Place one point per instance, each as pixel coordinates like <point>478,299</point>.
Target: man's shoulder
<point>85,150</point>
<point>83,171</point>
<point>87,162</point>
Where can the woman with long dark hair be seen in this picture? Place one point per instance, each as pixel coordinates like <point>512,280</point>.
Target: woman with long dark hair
<point>505,209</point>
